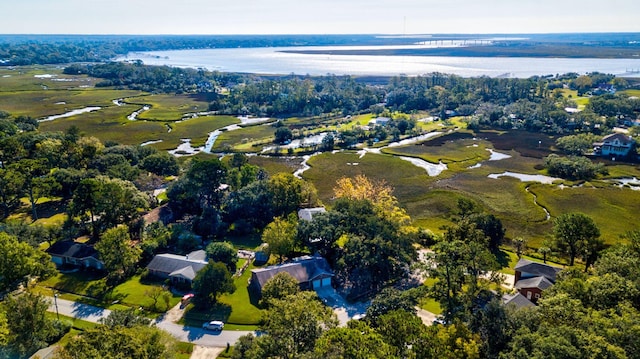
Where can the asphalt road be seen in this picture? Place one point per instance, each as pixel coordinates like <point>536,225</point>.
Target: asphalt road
<point>183,333</point>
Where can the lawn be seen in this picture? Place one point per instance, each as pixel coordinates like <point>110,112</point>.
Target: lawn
<point>83,287</point>
<point>133,293</point>
<point>427,303</point>
<point>237,309</point>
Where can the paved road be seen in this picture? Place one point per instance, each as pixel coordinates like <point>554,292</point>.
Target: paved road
<point>183,333</point>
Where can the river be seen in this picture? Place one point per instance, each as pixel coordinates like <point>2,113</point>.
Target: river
<point>272,60</point>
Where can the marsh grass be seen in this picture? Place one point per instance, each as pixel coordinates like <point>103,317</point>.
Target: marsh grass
<point>245,136</point>
<point>168,108</point>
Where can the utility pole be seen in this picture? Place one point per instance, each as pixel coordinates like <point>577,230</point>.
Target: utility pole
<point>55,301</point>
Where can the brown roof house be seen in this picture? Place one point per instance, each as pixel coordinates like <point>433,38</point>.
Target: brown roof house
<point>532,278</point>
<point>311,272</point>
<point>179,269</point>
<point>79,255</point>
<point>616,144</point>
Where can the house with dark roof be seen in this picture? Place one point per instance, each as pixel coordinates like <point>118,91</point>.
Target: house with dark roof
<point>517,300</point>
<point>311,272</point>
<point>531,278</point>
<point>617,144</point>
<point>71,253</point>
<point>179,269</point>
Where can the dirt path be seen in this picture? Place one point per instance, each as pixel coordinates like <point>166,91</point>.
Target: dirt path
<point>200,352</point>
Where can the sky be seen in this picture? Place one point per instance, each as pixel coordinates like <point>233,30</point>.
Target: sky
<point>316,16</point>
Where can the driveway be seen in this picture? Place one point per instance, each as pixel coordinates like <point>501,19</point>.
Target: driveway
<point>183,333</point>
<point>344,310</point>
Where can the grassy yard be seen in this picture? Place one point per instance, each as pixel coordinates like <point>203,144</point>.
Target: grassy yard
<point>237,309</point>
<point>427,303</point>
<point>85,288</point>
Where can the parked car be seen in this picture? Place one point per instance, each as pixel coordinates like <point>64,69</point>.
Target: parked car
<point>213,325</point>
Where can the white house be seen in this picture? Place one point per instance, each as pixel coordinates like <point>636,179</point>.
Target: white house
<point>616,144</point>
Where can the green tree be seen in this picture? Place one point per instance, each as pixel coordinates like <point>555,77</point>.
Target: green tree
<point>20,261</point>
<point>223,252</point>
<point>37,183</point>
<point>572,232</point>
<point>138,342</point>
<point>287,193</point>
<point>283,135</point>
<point>280,235</point>
<point>29,328</point>
<point>238,160</point>
<point>459,263</point>
<point>519,245</point>
<point>279,287</point>
<point>85,202</point>
<point>401,330</point>
<point>357,341</point>
<point>117,252</point>
<point>4,331</point>
<point>11,185</point>
<point>391,299</point>
<point>545,251</point>
<point>492,228</point>
<point>162,164</point>
<point>205,178</point>
<point>119,202</point>
<point>127,318</point>
<point>453,341</point>
<point>579,144</point>
<point>211,281</point>
<point>296,322</point>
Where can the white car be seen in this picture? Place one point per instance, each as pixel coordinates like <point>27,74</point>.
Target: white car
<point>213,325</point>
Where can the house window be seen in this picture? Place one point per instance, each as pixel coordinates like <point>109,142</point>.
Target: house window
<point>529,295</point>
<point>537,295</point>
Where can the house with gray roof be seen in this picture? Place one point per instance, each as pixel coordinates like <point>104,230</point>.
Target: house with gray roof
<point>71,253</point>
<point>531,278</point>
<point>517,300</point>
<point>179,269</point>
<point>311,272</point>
